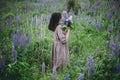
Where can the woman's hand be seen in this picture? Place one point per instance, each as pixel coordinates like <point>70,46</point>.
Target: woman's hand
<point>67,29</point>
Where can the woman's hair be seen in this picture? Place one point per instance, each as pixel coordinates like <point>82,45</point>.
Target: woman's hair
<point>54,21</point>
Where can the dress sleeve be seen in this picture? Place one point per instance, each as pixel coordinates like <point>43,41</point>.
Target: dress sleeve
<point>61,35</point>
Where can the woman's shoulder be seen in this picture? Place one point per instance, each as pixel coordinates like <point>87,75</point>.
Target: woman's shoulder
<point>58,27</point>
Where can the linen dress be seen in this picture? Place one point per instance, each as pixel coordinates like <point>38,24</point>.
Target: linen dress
<point>60,52</point>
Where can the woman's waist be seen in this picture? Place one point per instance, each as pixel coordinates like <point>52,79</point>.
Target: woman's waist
<point>56,42</point>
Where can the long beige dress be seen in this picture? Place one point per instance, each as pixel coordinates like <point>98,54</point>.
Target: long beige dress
<point>60,52</point>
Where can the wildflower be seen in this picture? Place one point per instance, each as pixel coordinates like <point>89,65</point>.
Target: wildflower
<point>111,43</point>
<point>90,66</point>
<point>118,67</point>
<point>71,11</point>
<point>78,12</point>
<point>117,37</point>
<point>93,23</point>
<point>114,46</point>
<point>109,16</point>
<point>51,0</point>
<point>87,6</point>
<point>65,15</point>
<point>81,77</point>
<point>15,40</point>
<point>18,19</point>
<point>29,40</point>
<point>23,41</point>
<point>54,73</point>
<point>14,54</point>
<point>110,28</point>
<point>43,68</point>
<point>67,77</point>
<point>98,27</point>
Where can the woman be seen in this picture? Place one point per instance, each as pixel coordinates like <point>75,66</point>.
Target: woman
<point>60,52</point>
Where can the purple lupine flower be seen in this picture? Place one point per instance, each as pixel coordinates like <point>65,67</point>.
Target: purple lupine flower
<point>43,68</point>
<point>47,18</point>
<point>10,20</point>
<point>64,17</point>
<point>81,77</point>
<point>116,14</point>
<point>67,76</point>
<point>38,22</point>
<point>78,12</point>
<point>112,52</point>
<point>98,27</point>
<point>90,66</point>
<point>117,37</point>
<point>111,43</point>
<point>116,49</point>
<point>110,28</point>
<point>18,19</point>
<point>14,54</point>
<point>118,67</point>
<point>114,46</point>
<point>54,73</point>
<point>15,40</point>
<point>23,41</point>
<point>98,3</point>
<point>71,11</point>
<point>87,6</point>
<point>109,15</point>
<point>29,39</point>
<point>65,20</point>
<point>19,33</point>
<point>51,0</point>
<point>114,8</point>
<point>93,23</point>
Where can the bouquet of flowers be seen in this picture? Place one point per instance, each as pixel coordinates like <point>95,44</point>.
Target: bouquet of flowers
<point>66,20</point>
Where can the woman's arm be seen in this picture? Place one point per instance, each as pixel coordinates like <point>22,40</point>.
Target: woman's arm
<point>63,37</point>
<point>67,32</point>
